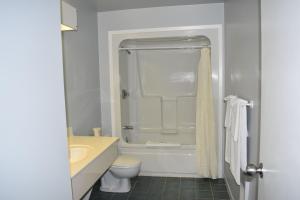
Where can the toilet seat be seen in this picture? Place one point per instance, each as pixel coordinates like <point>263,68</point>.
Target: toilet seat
<point>125,161</point>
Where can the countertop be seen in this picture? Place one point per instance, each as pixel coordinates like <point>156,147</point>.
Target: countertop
<point>98,145</point>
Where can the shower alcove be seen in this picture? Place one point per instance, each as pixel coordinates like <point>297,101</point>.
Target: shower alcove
<point>153,80</point>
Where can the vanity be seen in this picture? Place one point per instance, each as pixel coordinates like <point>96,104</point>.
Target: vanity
<point>89,158</point>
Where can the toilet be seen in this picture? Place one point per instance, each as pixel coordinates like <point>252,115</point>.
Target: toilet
<point>117,178</point>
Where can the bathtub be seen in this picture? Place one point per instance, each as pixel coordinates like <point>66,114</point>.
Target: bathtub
<point>163,161</point>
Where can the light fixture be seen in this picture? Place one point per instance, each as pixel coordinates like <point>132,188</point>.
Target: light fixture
<point>68,17</point>
<point>66,28</point>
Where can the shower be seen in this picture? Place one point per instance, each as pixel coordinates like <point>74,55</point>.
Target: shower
<point>155,98</point>
<point>160,75</point>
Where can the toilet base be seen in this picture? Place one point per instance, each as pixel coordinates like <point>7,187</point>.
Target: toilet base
<point>110,183</point>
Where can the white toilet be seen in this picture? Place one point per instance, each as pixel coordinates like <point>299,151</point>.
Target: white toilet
<point>117,178</point>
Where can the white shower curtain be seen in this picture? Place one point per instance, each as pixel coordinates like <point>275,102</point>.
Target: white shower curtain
<point>206,144</point>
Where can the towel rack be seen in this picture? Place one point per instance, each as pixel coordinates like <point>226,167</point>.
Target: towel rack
<point>250,103</point>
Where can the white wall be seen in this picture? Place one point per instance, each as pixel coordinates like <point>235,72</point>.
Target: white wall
<point>81,67</point>
<point>204,14</point>
<point>33,144</point>
<point>242,70</point>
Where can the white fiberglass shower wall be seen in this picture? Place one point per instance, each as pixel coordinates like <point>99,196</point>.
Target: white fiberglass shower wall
<point>158,83</point>
<point>153,86</point>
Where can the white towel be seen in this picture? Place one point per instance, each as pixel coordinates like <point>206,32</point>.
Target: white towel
<point>238,143</point>
<point>228,119</point>
<point>243,135</point>
<point>229,102</point>
<point>234,147</point>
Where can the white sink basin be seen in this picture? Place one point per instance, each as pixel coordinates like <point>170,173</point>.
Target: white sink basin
<point>78,152</point>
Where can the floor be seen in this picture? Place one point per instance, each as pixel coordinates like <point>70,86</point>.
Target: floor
<point>167,188</point>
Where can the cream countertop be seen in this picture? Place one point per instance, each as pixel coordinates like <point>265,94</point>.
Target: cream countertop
<point>98,145</point>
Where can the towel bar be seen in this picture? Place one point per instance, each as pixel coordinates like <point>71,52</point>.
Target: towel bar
<point>250,103</point>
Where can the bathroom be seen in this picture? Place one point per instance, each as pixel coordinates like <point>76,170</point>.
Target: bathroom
<point>125,90</point>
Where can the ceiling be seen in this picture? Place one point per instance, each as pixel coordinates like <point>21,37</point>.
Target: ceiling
<point>106,5</point>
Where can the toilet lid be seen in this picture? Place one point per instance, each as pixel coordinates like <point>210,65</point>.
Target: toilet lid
<point>125,161</point>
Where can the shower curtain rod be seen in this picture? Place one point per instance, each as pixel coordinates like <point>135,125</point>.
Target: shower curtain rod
<point>162,48</point>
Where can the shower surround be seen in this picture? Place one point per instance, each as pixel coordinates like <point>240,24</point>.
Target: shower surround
<point>154,88</point>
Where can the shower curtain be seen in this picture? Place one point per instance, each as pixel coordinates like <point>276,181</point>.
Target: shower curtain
<point>206,144</point>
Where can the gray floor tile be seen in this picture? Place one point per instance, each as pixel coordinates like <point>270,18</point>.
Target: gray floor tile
<point>157,180</point>
<point>101,196</point>
<point>219,187</point>
<point>187,194</point>
<point>203,180</point>
<point>203,195</point>
<point>172,186</point>
<point>156,188</point>
<point>170,196</point>
<point>133,180</point>
<point>163,179</point>
<point>167,188</point>
<point>120,196</point>
<point>210,198</point>
<point>140,197</point>
<point>171,190</point>
<point>218,181</point>
<point>139,193</point>
<point>203,186</point>
<point>155,197</point>
<point>187,183</point>
<point>141,178</point>
<point>141,187</point>
<point>172,179</point>
<point>221,195</point>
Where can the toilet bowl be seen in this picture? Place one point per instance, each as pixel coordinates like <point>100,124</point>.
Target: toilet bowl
<point>117,178</point>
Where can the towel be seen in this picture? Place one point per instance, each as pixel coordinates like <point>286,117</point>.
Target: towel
<point>238,140</point>
<point>243,135</point>
<point>229,102</point>
<point>228,118</point>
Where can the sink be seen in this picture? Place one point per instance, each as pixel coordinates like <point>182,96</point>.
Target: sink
<point>90,157</point>
<point>78,152</point>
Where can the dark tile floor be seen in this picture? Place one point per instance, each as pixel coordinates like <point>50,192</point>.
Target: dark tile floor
<point>167,188</point>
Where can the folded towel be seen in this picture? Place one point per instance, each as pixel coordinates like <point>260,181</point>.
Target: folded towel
<point>243,135</point>
<point>228,119</point>
<point>229,103</point>
<point>238,142</point>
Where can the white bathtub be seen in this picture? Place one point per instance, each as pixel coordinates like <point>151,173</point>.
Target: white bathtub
<point>163,161</point>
